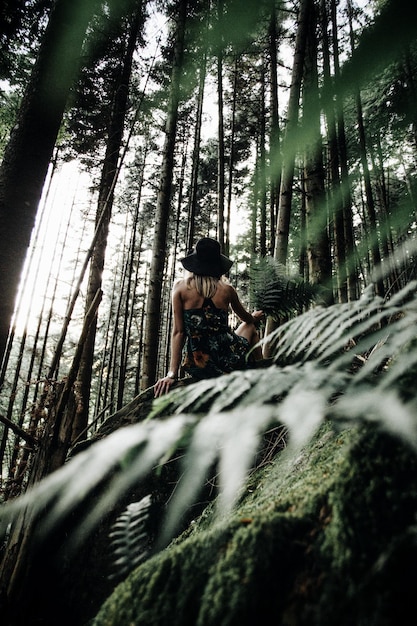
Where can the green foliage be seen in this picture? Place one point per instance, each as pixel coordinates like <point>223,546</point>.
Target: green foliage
<point>381,44</point>
<point>130,536</point>
<point>277,294</point>
<point>327,537</point>
<point>21,25</point>
<point>9,105</point>
<point>352,362</point>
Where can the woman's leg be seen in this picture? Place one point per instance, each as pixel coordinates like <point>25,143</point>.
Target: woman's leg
<point>250,333</point>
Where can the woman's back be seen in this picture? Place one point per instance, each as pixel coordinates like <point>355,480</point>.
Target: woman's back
<point>192,299</point>
<point>211,347</point>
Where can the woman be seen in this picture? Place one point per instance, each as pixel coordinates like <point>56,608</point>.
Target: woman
<point>200,306</point>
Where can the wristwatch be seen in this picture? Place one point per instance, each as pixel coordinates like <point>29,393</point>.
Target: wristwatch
<point>171,374</point>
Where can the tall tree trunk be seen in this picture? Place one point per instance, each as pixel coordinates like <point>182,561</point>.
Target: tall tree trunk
<point>163,203</point>
<point>169,322</point>
<point>351,252</point>
<point>275,157</point>
<point>318,251</point>
<point>104,211</point>
<point>129,303</point>
<point>335,194</point>
<point>289,147</point>
<point>30,149</point>
<point>385,223</point>
<point>192,205</point>
<point>221,162</point>
<point>262,166</point>
<point>412,90</point>
<point>302,262</point>
<point>370,203</point>
<point>231,160</point>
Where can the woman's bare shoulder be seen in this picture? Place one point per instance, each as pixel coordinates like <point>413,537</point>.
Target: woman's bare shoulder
<point>226,293</point>
<point>229,290</point>
<point>179,284</point>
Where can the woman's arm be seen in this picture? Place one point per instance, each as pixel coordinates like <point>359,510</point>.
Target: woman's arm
<point>177,336</point>
<point>240,310</point>
<point>177,342</point>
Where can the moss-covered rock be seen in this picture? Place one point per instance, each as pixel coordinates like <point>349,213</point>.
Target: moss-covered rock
<point>318,538</point>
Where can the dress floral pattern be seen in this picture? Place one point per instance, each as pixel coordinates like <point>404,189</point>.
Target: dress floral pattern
<point>211,347</point>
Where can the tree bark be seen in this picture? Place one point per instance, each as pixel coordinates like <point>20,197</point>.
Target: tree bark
<point>262,176</point>
<point>318,250</point>
<point>351,253</point>
<point>290,139</point>
<point>231,168</point>
<point>336,192</point>
<point>221,157</point>
<point>370,203</point>
<point>275,156</point>
<point>192,205</point>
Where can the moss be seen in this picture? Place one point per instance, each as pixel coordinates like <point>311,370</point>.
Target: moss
<point>311,542</point>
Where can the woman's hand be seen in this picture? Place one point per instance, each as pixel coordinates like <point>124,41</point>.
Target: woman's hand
<point>258,316</point>
<point>163,385</point>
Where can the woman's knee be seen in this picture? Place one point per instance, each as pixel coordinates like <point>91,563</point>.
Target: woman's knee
<point>247,330</point>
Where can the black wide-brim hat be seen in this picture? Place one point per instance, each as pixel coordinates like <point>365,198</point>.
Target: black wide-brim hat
<point>206,259</point>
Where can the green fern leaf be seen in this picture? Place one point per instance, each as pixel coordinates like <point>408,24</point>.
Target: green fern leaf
<point>273,292</point>
<point>220,422</point>
<point>130,537</point>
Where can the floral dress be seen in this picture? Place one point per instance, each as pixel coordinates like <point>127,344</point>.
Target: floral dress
<point>211,347</point>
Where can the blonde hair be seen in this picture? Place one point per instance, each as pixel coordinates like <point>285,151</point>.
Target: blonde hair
<point>205,286</point>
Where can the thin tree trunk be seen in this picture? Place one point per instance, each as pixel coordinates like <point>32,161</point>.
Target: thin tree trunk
<point>169,321</point>
<point>231,160</point>
<point>123,313</point>
<point>129,306</point>
<point>370,203</point>
<point>351,252</point>
<point>289,148</point>
<point>162,213</point>
<point>192,206</point>
<point>303,263</point>
<point>385,226</point>
<point>221,162</point>
<point>138,380</point>
<point>275,157</point>
<point>318,250</point>
<point>336,194</point>
<point>262,167</point>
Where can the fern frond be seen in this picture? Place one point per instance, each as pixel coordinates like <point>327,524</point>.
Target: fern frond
<point>130,536</point>
<point>221,421</point>
<point>325,333</point>
<point>278,295</point>
<point>93,481</point>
